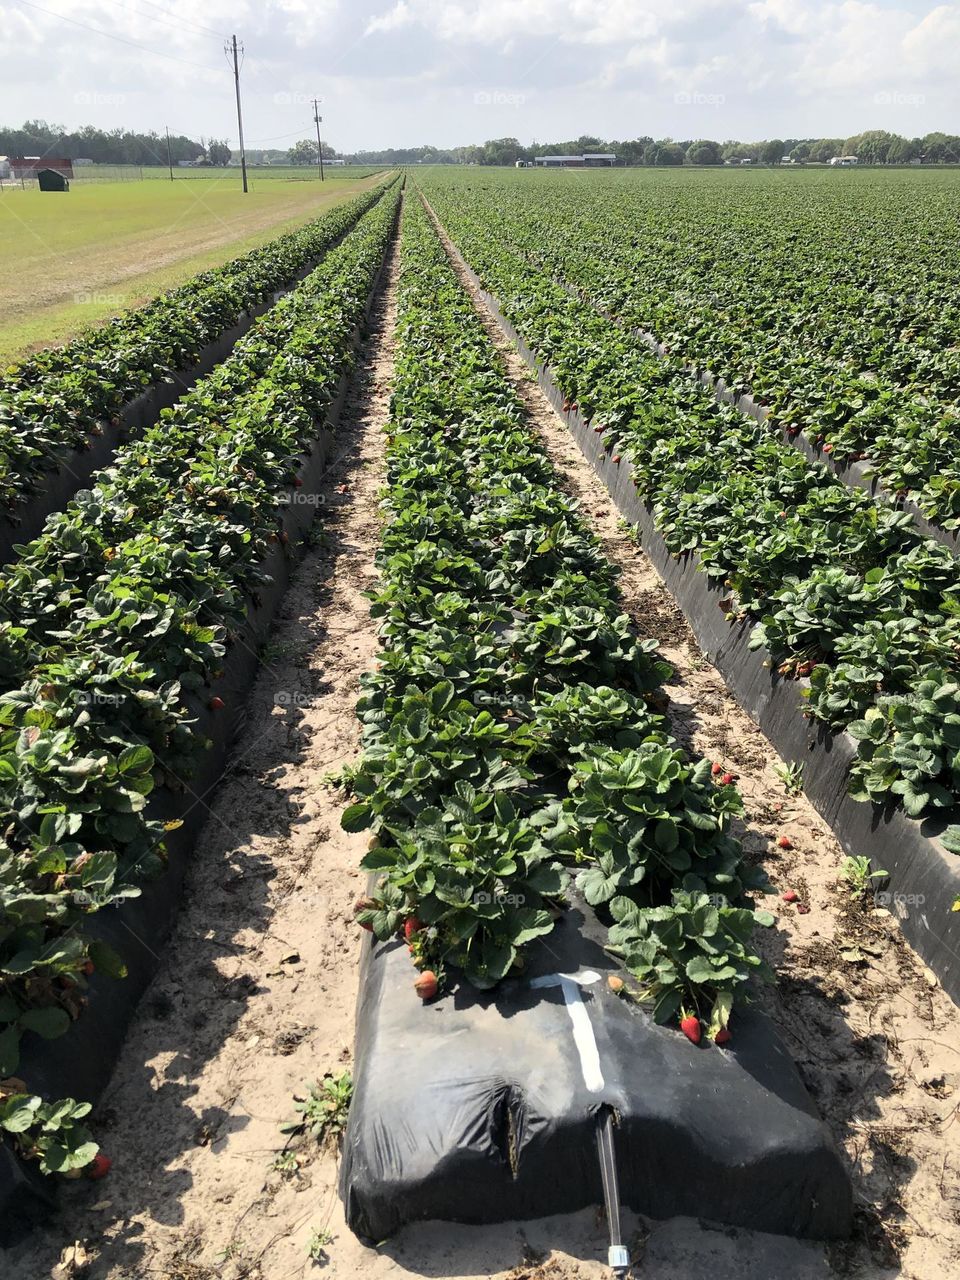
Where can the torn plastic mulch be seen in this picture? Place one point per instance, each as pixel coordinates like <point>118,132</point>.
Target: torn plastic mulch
<point>483,1107</point>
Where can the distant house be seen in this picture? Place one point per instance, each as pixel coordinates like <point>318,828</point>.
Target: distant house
<point>844,162</point>
<point>30,166</point>
<point>4,167</point>
<point>590,160</point>
<point>82,160</point>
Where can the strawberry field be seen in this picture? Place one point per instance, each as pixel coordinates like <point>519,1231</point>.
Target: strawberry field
<point>601,915</point>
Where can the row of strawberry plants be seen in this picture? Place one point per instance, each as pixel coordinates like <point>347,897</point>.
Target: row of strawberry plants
<point>844,592</point>
<point>51,402</point>
<point>865,366</point>
<point>114,623</point>
<point>511,737</point>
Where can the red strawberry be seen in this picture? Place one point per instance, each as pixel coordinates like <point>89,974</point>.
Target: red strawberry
<point>99,1166</point>
<point>426,985</point>
<point>727,779</point>
<point>790,895</point>
<point>216,704</point>
<point>411,926</point>
<point>283,536</point>
<point>723,1036</point>
<point>616,457</point>
<point>784,843</point>
<point>297,482</point>
<point>716,768</point>
<point>690,1026</point>
<point>803,909</point>
<point>87,967</point>
<point>828,448</point>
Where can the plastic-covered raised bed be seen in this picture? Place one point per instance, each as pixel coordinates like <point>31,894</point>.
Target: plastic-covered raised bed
<point>81,1062</point>
<point>924,879</point>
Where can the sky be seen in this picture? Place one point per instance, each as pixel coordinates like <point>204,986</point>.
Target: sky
<point>408,72</point>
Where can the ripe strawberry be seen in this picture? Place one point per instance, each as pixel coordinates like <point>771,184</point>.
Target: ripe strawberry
<point>616,457</point>
<point>426,985</point>
<point>828,448</point>
<point>216,704</point>
<point>790,895</point>
<point>784,843</point>
<point>690,1026</point>
<point>803,909</point>
<point>727,779</point>
<point>716,768</point>
<point>87,967</point>
<point>99,1166</point>
<point>723,1036</point>
<point>283,536</point>
<point>411,926</point>
<point>297,482</point>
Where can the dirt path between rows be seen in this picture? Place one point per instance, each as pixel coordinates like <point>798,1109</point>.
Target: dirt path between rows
<point>877,1042</point>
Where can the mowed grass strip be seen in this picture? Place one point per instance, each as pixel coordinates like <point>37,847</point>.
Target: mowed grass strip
<point>71,260</point>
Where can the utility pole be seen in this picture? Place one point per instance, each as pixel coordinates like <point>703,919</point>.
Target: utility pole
<point>228,49</point>
<point>169,161</point>
<point>317,118</point>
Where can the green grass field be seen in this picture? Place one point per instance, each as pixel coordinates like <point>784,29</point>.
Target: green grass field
<point>71,260</point>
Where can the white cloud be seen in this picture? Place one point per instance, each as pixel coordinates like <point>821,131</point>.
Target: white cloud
<point>396,72</point>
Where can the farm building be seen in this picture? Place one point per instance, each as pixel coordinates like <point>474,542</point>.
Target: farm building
<point>844,161</point>
<point>4,167</point>
<point>30,166</point>
<point>591,160</point>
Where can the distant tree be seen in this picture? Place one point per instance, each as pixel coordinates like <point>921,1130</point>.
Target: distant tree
<point>903,150</point>
<point>800,154</point>
<point>772,152</point>
<point>940,148</point>
<point>665,152</point>
<point>825,149</point>
<point>303,152</point>
<point>704,152</point>
<point>218,153</point>
<point>502,151</point>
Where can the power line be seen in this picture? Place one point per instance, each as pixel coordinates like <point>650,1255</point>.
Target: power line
<point>199,25</point>
<point>179,23</point>
<point>110,36</point>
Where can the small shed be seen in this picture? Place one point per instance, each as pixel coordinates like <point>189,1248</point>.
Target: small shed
<point>52,180</point>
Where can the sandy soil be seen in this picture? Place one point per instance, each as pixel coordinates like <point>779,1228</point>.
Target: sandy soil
<point>255,997</point>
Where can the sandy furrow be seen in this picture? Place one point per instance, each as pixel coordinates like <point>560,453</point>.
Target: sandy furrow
<point>877,1042</point>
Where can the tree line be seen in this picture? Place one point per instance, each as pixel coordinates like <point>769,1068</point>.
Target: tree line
<point>124,146</point>
<point>114,146</point>
<point>876,146</point>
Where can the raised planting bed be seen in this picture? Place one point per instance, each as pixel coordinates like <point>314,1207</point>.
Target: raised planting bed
<point>484,1107</point>
<point>856,473</point>
<point>861,354</point>
<point>66,411</point>
<point>289,445</point>
<point>924,877</point>
<point>537,831</point>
